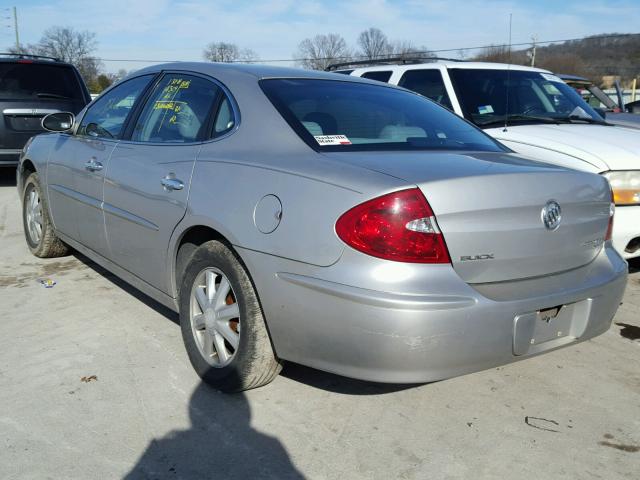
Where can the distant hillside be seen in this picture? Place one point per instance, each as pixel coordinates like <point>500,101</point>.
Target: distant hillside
<point>592,57</point>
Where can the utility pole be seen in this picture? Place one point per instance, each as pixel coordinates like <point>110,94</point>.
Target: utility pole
<point>15,26</point>
<point>534,39</point>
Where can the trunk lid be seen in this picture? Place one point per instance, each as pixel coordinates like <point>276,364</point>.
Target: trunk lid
<point>489,209</point>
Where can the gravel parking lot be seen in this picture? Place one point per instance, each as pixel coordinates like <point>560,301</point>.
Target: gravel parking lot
<point>95,383</point>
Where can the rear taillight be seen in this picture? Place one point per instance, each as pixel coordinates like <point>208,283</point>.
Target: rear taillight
<point>612,211</point>
<point>399,226</point>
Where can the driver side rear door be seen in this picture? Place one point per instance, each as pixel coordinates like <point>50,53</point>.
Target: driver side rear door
<point>149,175</point>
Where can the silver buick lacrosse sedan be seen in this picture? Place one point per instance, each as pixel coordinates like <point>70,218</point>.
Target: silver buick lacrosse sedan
<point>332,221</point>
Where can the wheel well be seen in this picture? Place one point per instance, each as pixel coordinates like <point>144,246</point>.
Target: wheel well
<point>25,169</point>
<point>190,241</point>
<point>27,166</point>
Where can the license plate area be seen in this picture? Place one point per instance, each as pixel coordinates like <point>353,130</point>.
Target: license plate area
<point>550,327</point>
<point>25,123</point>
<point>551,323</point>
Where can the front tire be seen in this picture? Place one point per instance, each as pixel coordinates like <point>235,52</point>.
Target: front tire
<point>222,325</point>
<point>38,227</point>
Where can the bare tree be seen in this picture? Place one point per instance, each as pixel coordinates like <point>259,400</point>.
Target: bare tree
<point>319,52</point>
<point>495,53</point>
<point>405,49</point>
<point>228,52</point>
<point>69,45</point>
<point>373,44</point>
<point>120,74</point>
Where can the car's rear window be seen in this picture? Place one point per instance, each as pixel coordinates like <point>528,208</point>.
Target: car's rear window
<point>35,81</point>
<point>334,115</point>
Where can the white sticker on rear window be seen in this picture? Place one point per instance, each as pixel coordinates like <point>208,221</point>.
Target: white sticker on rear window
<point>483,109</point>
<point>332,140</point>
<point>551,78</point>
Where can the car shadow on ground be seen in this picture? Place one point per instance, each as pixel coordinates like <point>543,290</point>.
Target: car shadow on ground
<point>220,444</point>
<point>134,292</point>
<point>7,177</point>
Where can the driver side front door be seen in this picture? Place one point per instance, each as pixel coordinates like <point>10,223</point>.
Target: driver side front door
<point>81,161</point>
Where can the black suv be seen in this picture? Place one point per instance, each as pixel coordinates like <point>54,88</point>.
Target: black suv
<point>31,87</point>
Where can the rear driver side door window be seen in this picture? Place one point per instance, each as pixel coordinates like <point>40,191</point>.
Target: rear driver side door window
<point>178,110</point>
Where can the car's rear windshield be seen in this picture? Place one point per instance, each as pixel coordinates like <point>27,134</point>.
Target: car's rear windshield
<point>334,115</point>
<point>35,81</point>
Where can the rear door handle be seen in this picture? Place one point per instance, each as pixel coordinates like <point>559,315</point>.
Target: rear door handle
<point>171,183</point>
<point>93,165</point>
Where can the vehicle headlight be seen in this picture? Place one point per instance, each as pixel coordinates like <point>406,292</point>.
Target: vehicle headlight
<point>625,185</point>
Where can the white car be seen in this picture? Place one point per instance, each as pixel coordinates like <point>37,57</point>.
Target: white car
<point>547,120</point>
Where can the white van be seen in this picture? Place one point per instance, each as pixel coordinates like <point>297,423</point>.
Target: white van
<point>547,120</point>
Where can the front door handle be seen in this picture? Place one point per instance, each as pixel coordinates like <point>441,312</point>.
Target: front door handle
<point>171,183</point>
<point>93,165</point>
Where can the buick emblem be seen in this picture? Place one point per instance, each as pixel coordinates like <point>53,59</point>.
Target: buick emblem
<point>551,215</point>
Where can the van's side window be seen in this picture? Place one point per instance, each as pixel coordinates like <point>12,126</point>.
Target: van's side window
<point>427,83</point>
<point>381,76</point>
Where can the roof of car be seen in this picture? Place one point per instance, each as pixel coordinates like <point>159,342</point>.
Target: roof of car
<point>245,69</point>
<point>28,58</point>
<point>452,64</point>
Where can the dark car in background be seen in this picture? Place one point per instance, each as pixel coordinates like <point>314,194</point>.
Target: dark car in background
<point>31,87</point>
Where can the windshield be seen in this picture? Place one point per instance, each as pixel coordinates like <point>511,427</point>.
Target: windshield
<point>533,97</point>
<point>333,115</point>
<point>34,81</point>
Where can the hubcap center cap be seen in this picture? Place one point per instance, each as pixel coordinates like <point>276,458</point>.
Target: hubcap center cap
<point>210,318</point>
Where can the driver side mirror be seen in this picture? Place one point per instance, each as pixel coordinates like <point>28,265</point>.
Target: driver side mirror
<point>58,122</point>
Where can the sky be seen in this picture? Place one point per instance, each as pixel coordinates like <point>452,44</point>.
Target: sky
<point>179,30</point>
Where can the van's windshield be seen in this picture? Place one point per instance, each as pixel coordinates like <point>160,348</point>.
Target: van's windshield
<point>532,97</point>
<point>334,115</point>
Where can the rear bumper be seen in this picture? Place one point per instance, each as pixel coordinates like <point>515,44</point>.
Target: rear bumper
<point>423,323</point>
<point>626,231</point>
<point>9,157</point>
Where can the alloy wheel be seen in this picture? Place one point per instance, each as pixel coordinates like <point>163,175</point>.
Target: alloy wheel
<point>33,209</point>
<point>215,317</point>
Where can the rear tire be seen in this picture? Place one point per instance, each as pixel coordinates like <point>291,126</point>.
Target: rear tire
<point>38,227</point>
<point>222,325</point>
